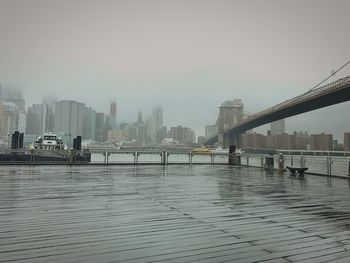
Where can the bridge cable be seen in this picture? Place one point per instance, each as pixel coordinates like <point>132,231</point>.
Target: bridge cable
<point>332,74</point>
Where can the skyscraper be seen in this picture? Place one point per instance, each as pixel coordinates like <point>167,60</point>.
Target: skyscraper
<point>157,123</point>
<point>278,127</point>
<point>89,124</point>
<point>100,130</point>
<point>69,117</point>
<point>8,118</point>
<point>346,141</point>
<point>140,129</point>
<point>37,119</point>
<point>113,115</point>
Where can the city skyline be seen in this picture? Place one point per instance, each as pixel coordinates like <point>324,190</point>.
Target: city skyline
<point>48,101</point>
<point>188,53</point>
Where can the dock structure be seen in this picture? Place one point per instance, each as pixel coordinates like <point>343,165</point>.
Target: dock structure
<point>171,214</point>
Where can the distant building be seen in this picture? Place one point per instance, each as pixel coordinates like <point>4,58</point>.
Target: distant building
<point>113,115</point>
<point>100,128</point>
<point>182,134</point>
<point>140,130</point>
<point>37,119</point>
<point>201,140</point>
<point>253,140</point>
<point>22,122</point>
<point>9,118</point>
<point>347,141</point>
<point>89,124</point>
<point>322,142</point>
<point>162,133</point>
<point>210,131</point>
<point>50,102</point>
<point>278,127</point>
<point>154,124</point>
<point>281,141</point>
<point>69,117</point>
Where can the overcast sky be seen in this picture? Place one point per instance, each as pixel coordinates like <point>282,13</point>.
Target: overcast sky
<point>188,56</point>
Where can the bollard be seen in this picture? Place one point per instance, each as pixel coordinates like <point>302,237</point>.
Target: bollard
<point>262,161</point>
<point>247,158</point>
<point>349,170</point>
<point>212,158</point>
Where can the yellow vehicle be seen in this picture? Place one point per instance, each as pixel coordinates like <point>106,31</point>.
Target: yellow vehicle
<point>201,151</point>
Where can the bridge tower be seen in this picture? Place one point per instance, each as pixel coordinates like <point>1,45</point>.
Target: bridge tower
<point>230,114</point>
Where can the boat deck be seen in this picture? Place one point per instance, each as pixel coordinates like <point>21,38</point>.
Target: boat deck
<point>171,214</point>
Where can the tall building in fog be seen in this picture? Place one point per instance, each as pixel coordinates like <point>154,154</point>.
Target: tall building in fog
<point>9,118</point>
<point>113,115</point>
<point>347,141</point>
<point>154,124</point>
<point>89,124</point>
<point>38,119</point>
<point>100,127</point>
<point>69,117</point>
<point>278,127</point>
<point>140,129</point>
<point>210,131</point>
<point>50,102</point>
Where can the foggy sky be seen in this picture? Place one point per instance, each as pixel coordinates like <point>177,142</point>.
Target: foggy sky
<point>188,56</point>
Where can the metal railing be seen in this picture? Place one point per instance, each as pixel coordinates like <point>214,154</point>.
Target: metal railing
<point>108,157</point>
<point>317,164</point>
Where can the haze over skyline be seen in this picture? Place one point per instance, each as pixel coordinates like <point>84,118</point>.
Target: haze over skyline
<point>188,56</point>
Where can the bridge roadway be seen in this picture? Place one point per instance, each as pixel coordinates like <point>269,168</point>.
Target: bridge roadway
<point>330,94</point>
<point>171,214</point>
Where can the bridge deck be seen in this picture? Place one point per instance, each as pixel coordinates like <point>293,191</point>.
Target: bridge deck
<point>171,214</point>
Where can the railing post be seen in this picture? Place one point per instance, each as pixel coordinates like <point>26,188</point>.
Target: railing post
<point>329,165</point>
<point>136,157</point>
<point>291,160</point>
<point>302,161</point>
<point>247,158</point>
<point>164,157</point>
<point>212,158</point>
<point>107,155</point>
<point>190,158</point>
<point>262,160</point>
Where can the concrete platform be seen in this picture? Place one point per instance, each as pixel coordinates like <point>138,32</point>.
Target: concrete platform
<point>171,214</point>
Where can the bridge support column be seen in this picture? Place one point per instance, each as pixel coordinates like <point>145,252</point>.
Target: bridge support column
<point>225,140</point>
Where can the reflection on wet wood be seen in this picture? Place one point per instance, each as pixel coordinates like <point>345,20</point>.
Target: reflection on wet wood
<point>171,214</point>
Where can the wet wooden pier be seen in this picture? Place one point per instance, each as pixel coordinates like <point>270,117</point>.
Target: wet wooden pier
<point>171,214</point>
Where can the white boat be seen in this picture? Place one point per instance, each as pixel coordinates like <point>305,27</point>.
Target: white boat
<point>49,141</point>
<point>220,150</point>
